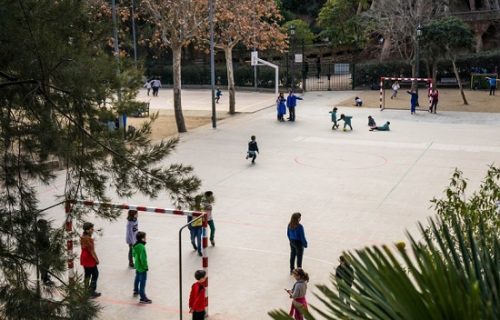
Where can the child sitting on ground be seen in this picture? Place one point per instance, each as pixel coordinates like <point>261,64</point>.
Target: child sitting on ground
<point>358,102</point>
<point>371,122</point>
<point>385,127</point>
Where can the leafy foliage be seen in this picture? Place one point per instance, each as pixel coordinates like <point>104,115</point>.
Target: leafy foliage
<point>302,31</point>
<point>452,273</point>
<point>56,82</point>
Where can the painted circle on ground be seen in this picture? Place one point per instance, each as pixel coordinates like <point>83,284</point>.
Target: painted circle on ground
<point>341,160</point>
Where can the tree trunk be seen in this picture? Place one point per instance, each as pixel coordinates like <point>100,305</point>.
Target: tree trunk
<point>179,117</point>
<point>457,76</point>
<point>472,5</point>
<point>228,51</point>
<point>434,73</point>
<point>386,49</point>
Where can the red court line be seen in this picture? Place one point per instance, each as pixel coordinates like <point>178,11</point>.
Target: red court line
<point>137,304</point>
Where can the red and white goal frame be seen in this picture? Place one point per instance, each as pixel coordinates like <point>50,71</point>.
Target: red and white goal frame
<point>69,229</point>
<point>382,91</point>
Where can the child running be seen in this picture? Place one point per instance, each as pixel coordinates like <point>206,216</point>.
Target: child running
<point>298,294</point>
<point>253,149</point>
<point>334,118</point>
<point>347,121</point>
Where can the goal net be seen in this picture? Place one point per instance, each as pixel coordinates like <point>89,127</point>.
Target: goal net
<point>402,100</point>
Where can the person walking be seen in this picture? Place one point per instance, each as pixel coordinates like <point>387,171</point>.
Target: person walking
<point>196,226</point>
<point>253,149</point>
<point>297,239</point>
<point>434,101</point>
<point>344,274</point>
<point>89,260</point>
<point>141,268</point>
<point>147,85</point>
<point>43,250</point>
<point>298,294</point>
<point>291,103</point>
<point>130,236</point>
<point>281,107</point>
<point>334,118</point>
<point>197,296</point>
<point>156,85</point>
<point>347,121</point>
<point>413,100</point>
<point>208,201</point>
<point>218,94</point>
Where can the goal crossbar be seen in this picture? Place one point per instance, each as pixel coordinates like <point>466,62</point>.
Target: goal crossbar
<point>382,91</point>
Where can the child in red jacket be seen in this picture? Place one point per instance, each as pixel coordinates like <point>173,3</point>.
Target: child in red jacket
<point>197,296</point>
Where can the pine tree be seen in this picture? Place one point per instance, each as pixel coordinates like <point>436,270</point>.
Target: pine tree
<point>57,77</point>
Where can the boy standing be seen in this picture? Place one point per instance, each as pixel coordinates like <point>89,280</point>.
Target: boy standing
<point>197,296</point>
<point>141,268</point>
<point>253,149</point>
<point>291,103</point>
<point>207,207</point>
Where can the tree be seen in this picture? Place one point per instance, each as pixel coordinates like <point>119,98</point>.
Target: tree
<point>452,273</point>
<point>447,38</point>
<point>177,24</point>
<point>253,23</point>
<point>302,31</point>
<point>342,22</point>
<point>397,22</point>
<point>54,81</point>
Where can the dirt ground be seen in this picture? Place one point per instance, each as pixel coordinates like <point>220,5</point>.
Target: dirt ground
<point>165,125</point>
<point>449,100</point>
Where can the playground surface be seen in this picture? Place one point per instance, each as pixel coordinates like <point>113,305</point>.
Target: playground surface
<point>354,189</point>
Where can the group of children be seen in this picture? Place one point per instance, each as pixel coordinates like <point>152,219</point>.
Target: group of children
<point>282,104</point>
<point>347,122</point>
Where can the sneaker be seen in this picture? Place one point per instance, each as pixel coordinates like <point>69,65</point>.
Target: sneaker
<point>95,294</point>
<point>146,301</point>
<point>213,243</point>
<point>135,294</point>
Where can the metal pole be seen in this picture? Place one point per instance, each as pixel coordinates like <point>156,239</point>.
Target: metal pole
<point>212,62</point>
<point>303,68</point>
<point>255,74</point>
<point>180,262</point>
<point>293,61</point>
<point>133,31</point>
<point>117,50</point>
<point>417,62</point>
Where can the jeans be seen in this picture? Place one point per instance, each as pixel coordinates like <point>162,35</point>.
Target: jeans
<point>212,229</point>
<point>291,111</point>
<point>90,279</point>
<point>296,251</point>
<point>140,283</point>
<point>196,234</point>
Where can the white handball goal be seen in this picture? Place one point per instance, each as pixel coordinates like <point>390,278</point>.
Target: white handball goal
<point>401,104</point>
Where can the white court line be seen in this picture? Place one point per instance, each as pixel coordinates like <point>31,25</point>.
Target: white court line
<point>401,145</point>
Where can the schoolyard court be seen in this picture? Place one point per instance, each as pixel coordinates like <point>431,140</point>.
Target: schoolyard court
<point>354,189</point>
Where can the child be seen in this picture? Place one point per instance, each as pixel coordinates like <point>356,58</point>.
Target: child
<point>298,294</point>
<point>358,102</point>
<point>208,200</point>
<point>281,107</point>
<point>413,100</point>
<point>371,122</point>
<point>43,249</point>
<point>197,296</point>
<point>385,127</point>
<point>218,94</point>
<point>89,260</point>
<point>434,100</point>
<point>253,149</point>
<point>347,121</point>
<point>141,268</point>
<point>130,238</point>
<point>395,88</point>
<point>196,226</point>
<point>334,118</point>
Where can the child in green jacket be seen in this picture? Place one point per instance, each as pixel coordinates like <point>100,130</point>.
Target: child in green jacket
<point>141,268</point>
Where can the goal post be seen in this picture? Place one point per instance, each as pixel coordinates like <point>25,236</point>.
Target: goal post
<point>382,102</point>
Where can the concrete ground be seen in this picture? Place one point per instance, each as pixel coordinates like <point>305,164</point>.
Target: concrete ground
<point>354,189</point>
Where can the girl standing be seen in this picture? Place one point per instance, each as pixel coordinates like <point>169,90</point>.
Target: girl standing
<point>298,294</point>
<point>298,242</point>
<point>130,238</point>
<point>281,107</point>
<point>89,260</point>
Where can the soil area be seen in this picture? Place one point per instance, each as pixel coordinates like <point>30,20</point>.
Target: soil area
<point>449,100</point>
<point>165,126</point>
